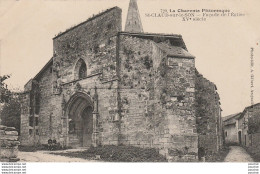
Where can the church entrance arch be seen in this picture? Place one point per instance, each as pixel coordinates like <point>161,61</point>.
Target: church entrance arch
<point>80,120</point>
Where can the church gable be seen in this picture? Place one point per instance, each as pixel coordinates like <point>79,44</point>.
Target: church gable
<point>93,42</point>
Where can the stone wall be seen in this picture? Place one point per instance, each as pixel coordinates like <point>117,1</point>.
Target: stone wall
<point>143,124</point>
<point>252,130</point>
<point>40,110</point>
<point>254,118</point>
<point>208,115</point>
<point>8,144</point>
<point>243,128</point>
<point>94,42</point>
<point>180,98</point>
<point>25,113</point>
<point>157,98</point>
<point>254,145</point>
<point>107,106</point>
<point>231,134</point>
<point>49,113</point>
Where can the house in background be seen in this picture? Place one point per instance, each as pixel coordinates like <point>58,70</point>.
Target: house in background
<point>231,129</point>
<point>248,125</point>
<point>243,128</point>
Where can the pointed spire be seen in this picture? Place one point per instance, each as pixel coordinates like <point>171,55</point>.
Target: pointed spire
<point>133,20</point>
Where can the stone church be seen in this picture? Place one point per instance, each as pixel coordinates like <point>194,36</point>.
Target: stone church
<point>107,86</point>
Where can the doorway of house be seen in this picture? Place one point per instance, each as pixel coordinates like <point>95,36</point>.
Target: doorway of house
<point>239,137</point>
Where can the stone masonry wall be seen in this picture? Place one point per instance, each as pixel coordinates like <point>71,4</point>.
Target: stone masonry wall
<point>253,143</point>
<point>25,113</point>
<point>94,42</point>
<point>107,106</point>
<point>157,99</point>
<point>8,144</point>
<point>179,101</point>
<point>49,115</point>
<point>208,118</point>
<point>142,123</point>
<point>43,109</point>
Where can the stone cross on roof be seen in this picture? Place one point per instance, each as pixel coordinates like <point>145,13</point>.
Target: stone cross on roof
<point>133,20</point>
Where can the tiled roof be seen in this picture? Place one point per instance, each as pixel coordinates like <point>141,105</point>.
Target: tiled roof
<point>226,118</point>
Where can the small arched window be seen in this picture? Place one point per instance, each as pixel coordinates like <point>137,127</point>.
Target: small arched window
<point>80,69</point>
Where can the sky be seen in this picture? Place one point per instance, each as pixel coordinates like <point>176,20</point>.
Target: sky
<point>221,45</point>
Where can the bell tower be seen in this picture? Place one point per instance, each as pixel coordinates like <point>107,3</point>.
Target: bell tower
<point>133,20</point>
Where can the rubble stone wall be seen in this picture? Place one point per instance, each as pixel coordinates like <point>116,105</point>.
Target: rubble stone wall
<point>25,113</point>
<point>253,132</point>
<point>254,145</point>
<point>157,99</point>
<point>208,117</point>
<point>94,42</point>
<point>8,144</point>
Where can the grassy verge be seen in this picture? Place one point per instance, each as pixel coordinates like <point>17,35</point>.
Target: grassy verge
<point>113,153</point>
<point>40,147</point>
<point>218,157</point>
<point>28,148</point>
<point>255,156</point>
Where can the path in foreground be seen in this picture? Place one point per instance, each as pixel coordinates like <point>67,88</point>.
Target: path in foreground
<point>238,154</point>
<point>41,156</point>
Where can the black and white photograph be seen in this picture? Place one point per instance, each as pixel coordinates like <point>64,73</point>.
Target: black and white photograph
<point>129,81</point>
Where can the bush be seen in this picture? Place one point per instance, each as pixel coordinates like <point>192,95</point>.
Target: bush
<point>219,156</point>
<point>27,148</point>
<point>10,114</point>
<point>122,153</point>
<point>254,154</point>
<point>232,144</point>
<point>40,147</point>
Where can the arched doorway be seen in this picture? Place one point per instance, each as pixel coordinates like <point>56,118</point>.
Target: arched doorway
<point>87,124</point>
<point>80,120</point>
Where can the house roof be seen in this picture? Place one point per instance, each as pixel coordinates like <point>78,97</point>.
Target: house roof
<point>238,115</point>
<point>232,116</point>
<point>231,119</point>
<point>248,107</point>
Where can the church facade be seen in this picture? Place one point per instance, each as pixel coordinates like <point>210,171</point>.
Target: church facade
<point>107,86</point>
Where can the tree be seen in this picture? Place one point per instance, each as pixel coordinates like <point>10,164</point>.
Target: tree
<point>10,110</point>
<point>5,93</point>
<point>10,113</point>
